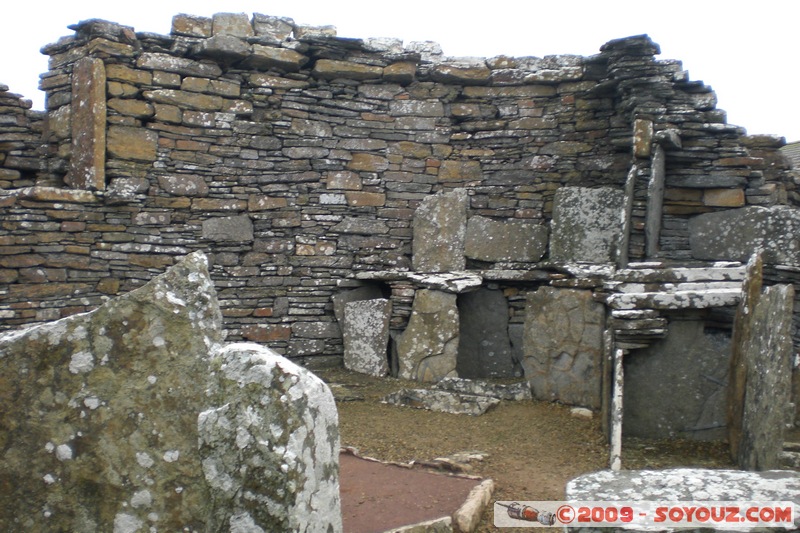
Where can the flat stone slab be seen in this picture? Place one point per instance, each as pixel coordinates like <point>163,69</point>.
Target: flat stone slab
<point>511,391</point>
<point>676,300</point>
<point>441,400</point>
<point>686,485</point>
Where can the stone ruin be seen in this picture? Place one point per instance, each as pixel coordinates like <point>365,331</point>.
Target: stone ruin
<point>581,223</point>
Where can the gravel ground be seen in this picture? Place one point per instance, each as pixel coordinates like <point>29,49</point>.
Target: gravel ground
<point>532,448</point>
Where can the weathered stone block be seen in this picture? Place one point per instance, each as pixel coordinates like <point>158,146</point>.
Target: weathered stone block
<point>735,234</point>
<point>224,48</point>
<point>269,57</point>
<point>402,73</point>
<point>191,26</point>
<point>440,227</point>
<point>183,185</point>
<point>361,198</point>
<point>642,137</point>
<point>586,225</point>
<point>330,69</point>
<point>724,197</point>
<point>180,65</point>
<point>509,240</point>
<point>185,99</point>
<point>228,229</point>
<point>236,24</point>
<point>366,336</point>
<point>484,348</point>
<point>277,28</point>
<point>460,171</point>
<point>461,75</point>
<point>427,349</point>
<point>563,346</point>
<point>138,144</point>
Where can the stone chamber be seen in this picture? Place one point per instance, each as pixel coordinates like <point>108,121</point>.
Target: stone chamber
<point>565,220</point>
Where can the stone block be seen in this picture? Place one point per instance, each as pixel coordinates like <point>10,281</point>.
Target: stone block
<point>235,24</point>
<point>366,336</point>
<point>126,142</point>
<point>277,28</point>
<point>191,26</point>
<point>402,73</point>
<point>228,229</point>
<point>484,348</point>
<point>688,399</point>
<point>461,75</point>
<point>451,170</point>
<point>736,234</point>
<point>509,240</point>
<point>563,346</point>
<point>427,349</point>
<point>440,228</point>
<point>442,401</point>
<point>271,57</point>
<point>361,198</point>
<point>329,69</point>
<point>224,48</point>
<point>185,99</point>
<point>344,179</point>
<point>642,137</point>
<point>179,65</point>
<point>586,225</point>
<point>723,197</point>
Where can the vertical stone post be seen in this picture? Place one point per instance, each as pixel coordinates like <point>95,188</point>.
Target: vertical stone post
<point>655,201</point>
<point>87,165</point>
<point>615,455</point>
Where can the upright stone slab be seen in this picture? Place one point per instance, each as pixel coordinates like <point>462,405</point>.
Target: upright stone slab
<point>587,224</point>
<point>341,299</point>
<point>484,348</point>
<point>767,355</point>
<point>270,446</point>
<point>676,386</point>
<point>100,411</point>
<point>428,347</point>
<point>735,234</point>
<point>440,228</point>
<point>509,240</point>
<point>563,346</point>
<point>88,115</point>
<point>366,336</point>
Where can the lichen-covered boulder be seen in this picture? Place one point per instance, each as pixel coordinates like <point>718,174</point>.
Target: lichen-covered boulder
<point>99,411</point>
<point>270,451</point>
<point>101,420</point>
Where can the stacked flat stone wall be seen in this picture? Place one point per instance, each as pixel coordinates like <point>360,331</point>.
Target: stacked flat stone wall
<point>296,160</point>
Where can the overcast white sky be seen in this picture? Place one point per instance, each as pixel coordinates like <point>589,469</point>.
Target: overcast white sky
<point>748,52</point>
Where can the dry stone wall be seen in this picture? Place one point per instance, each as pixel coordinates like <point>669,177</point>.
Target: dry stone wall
<point>296,159</point>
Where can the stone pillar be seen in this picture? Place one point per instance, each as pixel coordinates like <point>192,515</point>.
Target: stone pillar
<point>655,201</point>
<point>88,111</point>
